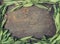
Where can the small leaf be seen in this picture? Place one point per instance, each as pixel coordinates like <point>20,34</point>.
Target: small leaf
<point>57,19</point>
<point>41,6</point>
<point>54,1</point>
<point>1,33</point>
<point>25,38</point>
<point>17,42</point>
<point>28,5</point>
<point>3,22</point>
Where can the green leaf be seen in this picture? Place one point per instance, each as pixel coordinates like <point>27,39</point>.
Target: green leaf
<point>4,10</point>
<point>17,42</point>
<point>25,38</point>
<point>3,22</point>
<point>41,6</point>
<point>27,3</point>
<point>54,37</point>
<point>54,1</point>
<point>58,38</point>
<point>57,42</point>
<point>1,33</point>
<point>57,19</point>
